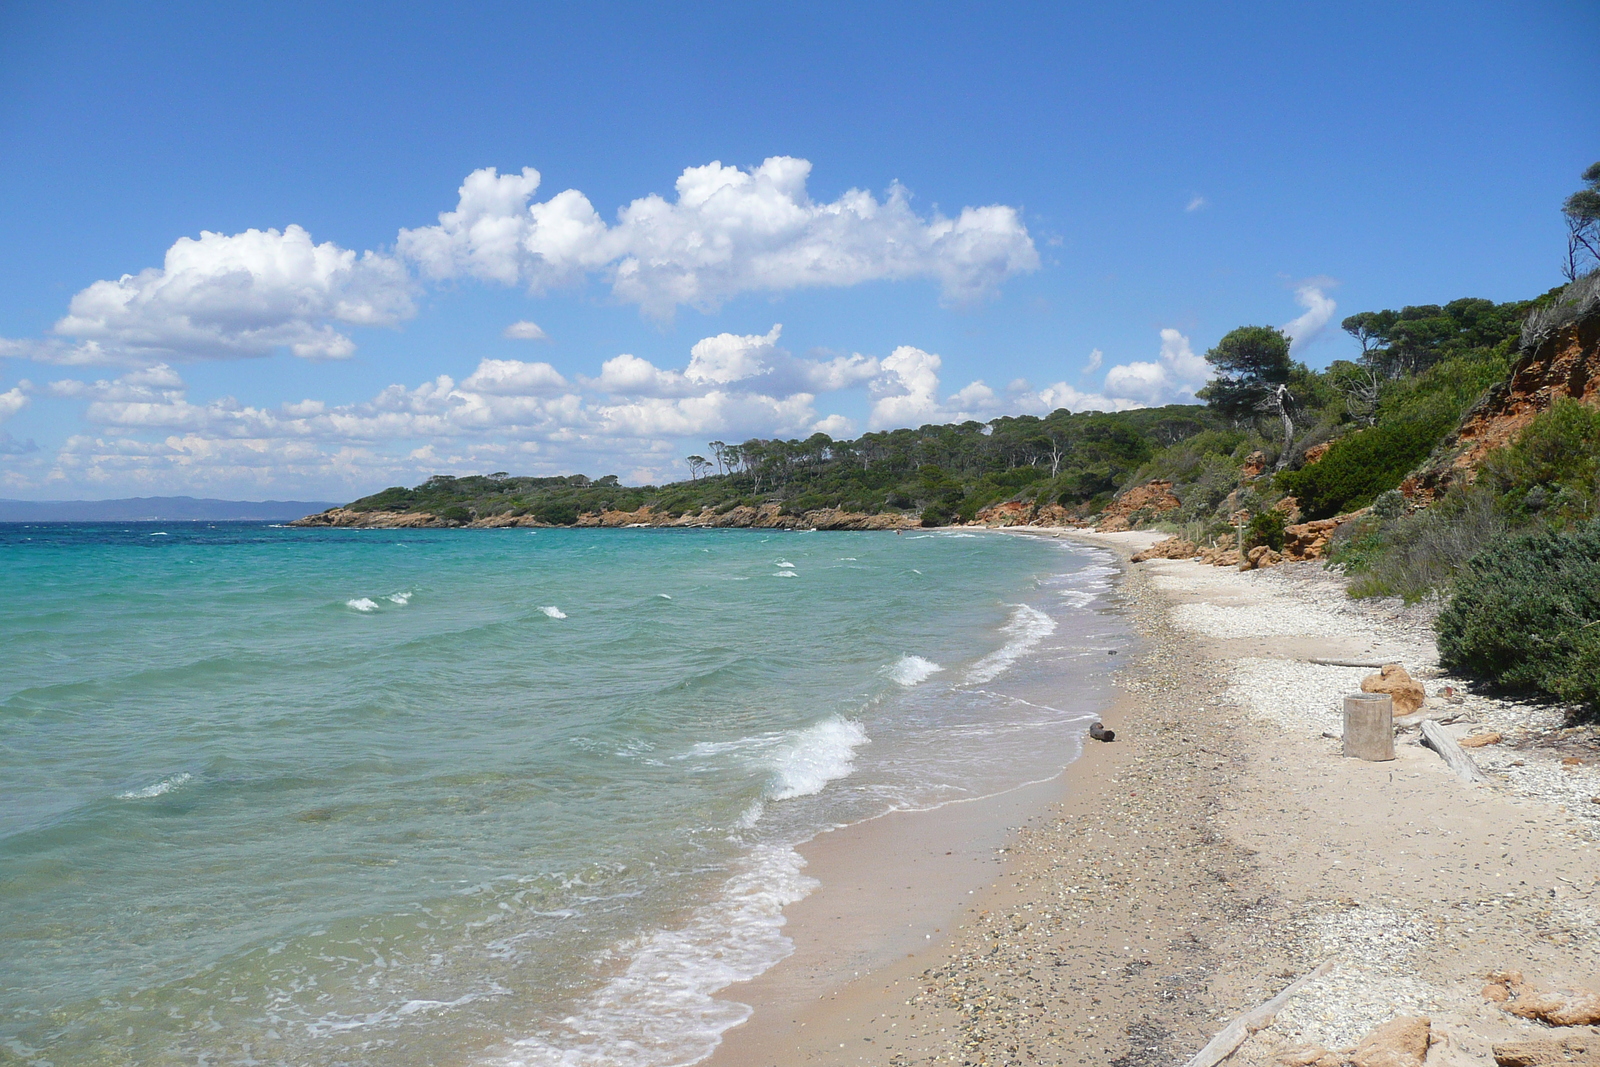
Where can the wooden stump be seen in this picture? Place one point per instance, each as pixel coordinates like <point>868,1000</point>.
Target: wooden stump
<point>1369,726</point>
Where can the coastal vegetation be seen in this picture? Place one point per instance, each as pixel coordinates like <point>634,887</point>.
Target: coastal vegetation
<point>937,473</point>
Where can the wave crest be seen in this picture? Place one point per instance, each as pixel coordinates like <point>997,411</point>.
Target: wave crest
<point>166,785</point>
<point>1026,627</point>
<point>815,756</point>
<point>911,670</point>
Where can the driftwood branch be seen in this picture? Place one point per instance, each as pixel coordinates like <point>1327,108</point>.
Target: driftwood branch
<point>1374,664</point>
<point>1235,1033</point>
<point>1454,756</point>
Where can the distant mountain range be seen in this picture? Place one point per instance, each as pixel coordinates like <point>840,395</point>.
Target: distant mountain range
<point>158,509</point>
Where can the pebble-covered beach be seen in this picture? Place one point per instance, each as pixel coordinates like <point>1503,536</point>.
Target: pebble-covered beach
<point>1222,847</point>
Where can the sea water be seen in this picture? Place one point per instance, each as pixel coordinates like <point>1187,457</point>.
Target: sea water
<point>307,797</point>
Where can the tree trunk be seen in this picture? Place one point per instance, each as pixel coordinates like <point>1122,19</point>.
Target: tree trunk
<point>1369,726</point>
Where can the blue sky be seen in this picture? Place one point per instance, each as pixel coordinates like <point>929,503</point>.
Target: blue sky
<point>950,211</point>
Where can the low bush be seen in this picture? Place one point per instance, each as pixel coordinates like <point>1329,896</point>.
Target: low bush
<point>1266,528</point>
<point>1525,615</point>
<point>1552,471</point>
<point>557,512</point>
<point>1414,556</point>
<point>1362,465</point>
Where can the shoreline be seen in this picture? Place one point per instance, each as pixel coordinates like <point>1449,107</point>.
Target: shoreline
<point>891,891</point>
<point>1219,849</point>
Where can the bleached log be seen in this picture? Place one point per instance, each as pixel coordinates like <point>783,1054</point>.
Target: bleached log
<point>1235,1033</point>
<point>1454,756</point>
<point>1374,664</point>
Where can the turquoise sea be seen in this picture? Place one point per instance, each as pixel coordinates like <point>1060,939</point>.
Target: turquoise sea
<point>307,797</point>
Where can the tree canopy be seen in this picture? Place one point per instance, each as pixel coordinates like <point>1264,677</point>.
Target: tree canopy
<point>1582,210</point>
<point>1251,363</point>
<point>1397,344</point>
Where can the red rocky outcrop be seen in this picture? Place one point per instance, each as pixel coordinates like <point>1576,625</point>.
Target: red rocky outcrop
<point>1565,363</point>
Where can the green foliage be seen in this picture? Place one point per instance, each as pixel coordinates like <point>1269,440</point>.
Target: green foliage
<point>944,472</point>
<point>1413,415</point>
<point>1360,466</point>
<point>1414,556</point>
<point>1524,615</point>
<point>1582,210</point>
<point>1249,361</point>
<point>1409,341</point>
<point>1552,471</point>
<point>1548,479</point>
<point>1266,528</point>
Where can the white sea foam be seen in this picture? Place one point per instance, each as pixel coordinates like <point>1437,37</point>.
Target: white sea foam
<point>662,1009</point>
<point>847,559</point>
<point>1079,598</point>
<point>752,814</point>
<point>664,596</point>
<point>785,574</point>
<point>554,612</point>
<point>815,756</point>
<point>163,533</point>
<point>166,785</point>
<point>1026,627</point>
<point>335,1023</point>
<point>399,598</point>
<point>913,670</point>
<point>362,604</point>
<point>785,564</point>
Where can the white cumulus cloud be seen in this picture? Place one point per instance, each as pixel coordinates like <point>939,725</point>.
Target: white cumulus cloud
<point>511,377</point>
<point>12,401</point>
<point>730,357</point>
<point>1171,378</point>
<point>525,331</point>
<point>728,231</point>
<point>225,296</point>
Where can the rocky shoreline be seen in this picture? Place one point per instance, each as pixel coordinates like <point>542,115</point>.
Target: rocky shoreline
<point>765,517</point>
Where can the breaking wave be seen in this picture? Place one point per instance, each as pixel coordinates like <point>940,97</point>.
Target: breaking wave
<point>815,756</point>
<point>166,785</point>
<point>1026,627</point>
<point>913,670</point>
<point>554,612</point>
<point>663,1008</point>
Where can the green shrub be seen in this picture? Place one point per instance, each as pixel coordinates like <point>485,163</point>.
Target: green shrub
<point>557,512</point>
<point>1553,469</point>
<point>1266,528</point>
<point>1525,615</point>
<point>455,514</point>
<point>1417,555</point>
<point>1360,466</point>
<point>936,515</point>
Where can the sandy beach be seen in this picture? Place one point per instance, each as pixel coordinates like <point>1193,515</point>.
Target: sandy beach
<point>1219,849</point>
